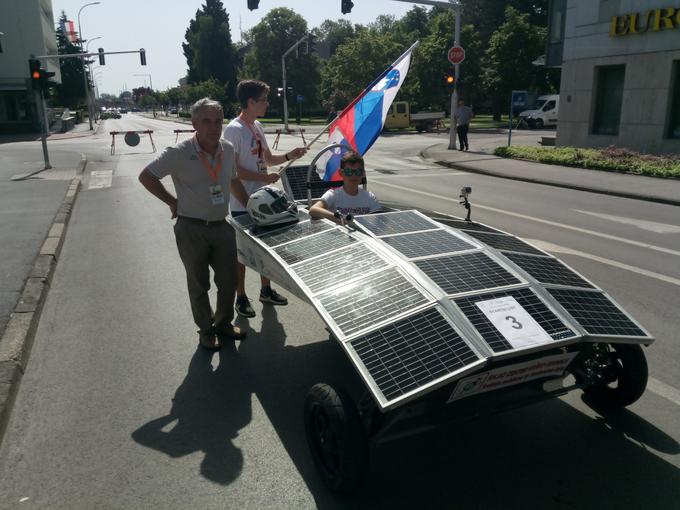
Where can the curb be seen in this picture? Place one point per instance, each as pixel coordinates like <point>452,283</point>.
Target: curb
<point>602,191</point>
<point>17,339</point>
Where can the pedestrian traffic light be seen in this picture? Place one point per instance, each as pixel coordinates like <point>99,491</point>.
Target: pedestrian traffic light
<point>45,79</point>
<point>142,56</point>
<point>279,91</point>
<point>346,6</point>
<point>450,78</point>
<point>253,4</point>
<point>34,67</point>
<point>101,57</point>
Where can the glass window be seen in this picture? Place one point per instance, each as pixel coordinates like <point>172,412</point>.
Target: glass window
<point>401,108</point>
<point>673,129</point>
<point>550,105</point>
<point>608,99</point>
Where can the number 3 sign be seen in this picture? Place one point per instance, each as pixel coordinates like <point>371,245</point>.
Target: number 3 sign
<point>514,322</point>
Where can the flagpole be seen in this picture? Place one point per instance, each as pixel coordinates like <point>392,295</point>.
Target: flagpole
<point>354,101</point>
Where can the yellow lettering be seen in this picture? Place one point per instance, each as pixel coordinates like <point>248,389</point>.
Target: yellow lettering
<point>667,18</point>
<point>619,26</point>
<point>634,29</point>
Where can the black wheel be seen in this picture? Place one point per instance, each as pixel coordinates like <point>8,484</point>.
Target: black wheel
<point>336,438</point>
<point>624,377</point>
<point>538,123</point>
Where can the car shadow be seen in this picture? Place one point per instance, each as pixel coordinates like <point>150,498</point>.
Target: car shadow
<point>549,455</point>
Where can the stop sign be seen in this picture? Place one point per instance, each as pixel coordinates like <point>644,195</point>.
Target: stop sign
<point>456,55</point>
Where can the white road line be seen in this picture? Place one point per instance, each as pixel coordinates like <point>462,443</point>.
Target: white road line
<point>416,174</point>
<point>562,249</point>
<point>664,390</point>
<point>652,226</point>
<point>538,220</point>
<point>100,179</point>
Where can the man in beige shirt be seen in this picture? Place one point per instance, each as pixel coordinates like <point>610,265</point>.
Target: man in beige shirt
<point>202,169</point>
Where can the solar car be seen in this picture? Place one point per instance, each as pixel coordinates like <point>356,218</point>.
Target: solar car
<point>443,319</point>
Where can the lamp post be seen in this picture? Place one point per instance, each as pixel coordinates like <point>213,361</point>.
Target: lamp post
<point>151,87</point>
<point>85,80</point>
<point>89,66</point>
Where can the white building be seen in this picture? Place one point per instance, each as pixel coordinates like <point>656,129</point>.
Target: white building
<point>620,64</point>
<point>28,27</point>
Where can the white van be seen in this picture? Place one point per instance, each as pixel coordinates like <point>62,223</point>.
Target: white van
<point>545,113</point>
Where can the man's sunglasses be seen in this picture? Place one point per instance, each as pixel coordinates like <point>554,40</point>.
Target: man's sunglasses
<point>349,172</point>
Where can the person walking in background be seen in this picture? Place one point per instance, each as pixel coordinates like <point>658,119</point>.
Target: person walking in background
<point>463,116</point>
<point>253,156</point>
<point>203,172</point>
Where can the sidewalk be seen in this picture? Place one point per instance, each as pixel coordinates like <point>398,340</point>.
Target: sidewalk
<point>652,189</point>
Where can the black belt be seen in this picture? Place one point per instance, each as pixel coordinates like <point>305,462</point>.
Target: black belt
<point>205,223</point>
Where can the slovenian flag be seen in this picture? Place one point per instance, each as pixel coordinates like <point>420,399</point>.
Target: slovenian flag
<point>360,124</point>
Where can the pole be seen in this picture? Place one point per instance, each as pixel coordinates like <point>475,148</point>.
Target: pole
<point>454,94</point>
<point>85,80</point>
<point>285,92</point>
<point>45,123</point>
<point>510,122</point>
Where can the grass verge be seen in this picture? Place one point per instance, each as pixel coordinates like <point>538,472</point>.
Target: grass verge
<point>612,159</point>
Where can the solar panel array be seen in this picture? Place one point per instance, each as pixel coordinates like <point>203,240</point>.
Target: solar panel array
<point>456,274</point>
<point>528,300</point>
<point>296,177</point>
<point>371,300</point>
<point>431,242</point>
<point>548,270</point>
<point>325,272</point>
<point>295,231</point>
<point>395,223</point>
<point>412,352</point>
<point>505,242</point>
<point>466,225</point>
<point>311,246</point>
<point>596,313</point>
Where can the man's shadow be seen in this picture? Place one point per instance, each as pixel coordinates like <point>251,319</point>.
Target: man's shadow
<point>209,408</point>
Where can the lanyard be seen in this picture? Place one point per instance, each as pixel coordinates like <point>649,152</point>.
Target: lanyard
<point>213,171</point>
<point>256,136</point>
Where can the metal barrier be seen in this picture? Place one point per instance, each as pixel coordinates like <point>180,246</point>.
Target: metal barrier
<point>178,131</point>
<point>131,138</point>
<point>278,135</point>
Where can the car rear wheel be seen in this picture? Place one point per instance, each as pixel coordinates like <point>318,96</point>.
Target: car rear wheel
<point>336,438</point>
<point>538,123</point>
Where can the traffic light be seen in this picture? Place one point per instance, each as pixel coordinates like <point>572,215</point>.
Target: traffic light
<point>346,6</point>
<point>279,91</point>
<point>45,79</point>
<point>450,78</point>
<point>142,56</point>
<point>101,57</point>
<point>253,4</point>
<point>34,66</point>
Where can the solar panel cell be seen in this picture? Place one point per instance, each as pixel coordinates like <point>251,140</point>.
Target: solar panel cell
<point>293,232</point>
<point>412,352</point>
<point>504,242</point>
<point>395,223</point>
<point>312,246</point>
<point>432,242</point>
<point>548,270</point>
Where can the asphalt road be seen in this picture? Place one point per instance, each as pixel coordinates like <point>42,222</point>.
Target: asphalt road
<point>120,409</point>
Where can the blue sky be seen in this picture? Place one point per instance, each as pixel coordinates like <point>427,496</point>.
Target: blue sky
<point>159,26</point>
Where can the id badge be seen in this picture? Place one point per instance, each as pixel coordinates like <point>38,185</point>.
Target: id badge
<point>216,194</point>
<point>261,166</point>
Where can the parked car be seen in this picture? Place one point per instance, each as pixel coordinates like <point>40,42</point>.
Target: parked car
<point>173,111</point>
<point>545,113</point>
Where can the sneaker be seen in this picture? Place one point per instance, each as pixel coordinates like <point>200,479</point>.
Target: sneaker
<point>269,295</point>
<point>243,307</point>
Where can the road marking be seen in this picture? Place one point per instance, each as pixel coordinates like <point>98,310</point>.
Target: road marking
<point>538,220</point>
<point>664,390</point>
<point>101,179</point>
<point>416,174</point>
<point>562,249</point>
<point>652,226</point>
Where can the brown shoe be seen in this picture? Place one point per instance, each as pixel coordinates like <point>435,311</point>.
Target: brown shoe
<point>209,341</point>
<point>233,333</point>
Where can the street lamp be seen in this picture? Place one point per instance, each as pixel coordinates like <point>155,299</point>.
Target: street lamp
<point>87,85</point>
<point>89,65</point>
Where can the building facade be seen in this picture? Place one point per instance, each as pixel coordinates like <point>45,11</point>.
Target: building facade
<point>28,28</point>
<point>620,80</point>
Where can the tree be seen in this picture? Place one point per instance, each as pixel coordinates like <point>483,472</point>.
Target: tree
<point>209,51</point>
<point>269,39</point>
<point>508,63</point>
<point>71,91</point>
<point>335,33</point>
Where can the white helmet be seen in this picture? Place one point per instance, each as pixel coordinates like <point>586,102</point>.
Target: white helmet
<point>270,206</point>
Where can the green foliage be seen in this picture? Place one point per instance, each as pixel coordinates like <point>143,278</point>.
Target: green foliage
<point>71,91</point>
<point>209,51</point>
<point>611,159</point>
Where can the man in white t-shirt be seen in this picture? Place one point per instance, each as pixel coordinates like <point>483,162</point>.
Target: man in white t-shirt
<point>350,198</point>
<point>252,159</point>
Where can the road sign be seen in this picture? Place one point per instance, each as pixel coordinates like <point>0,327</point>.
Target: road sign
<point>456,55</point>
<point>519,98</point>
<point>300,98</point>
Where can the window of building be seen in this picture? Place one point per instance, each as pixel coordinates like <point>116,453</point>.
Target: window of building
<point>608,99</point>
<point>401,108</point>
<point>673,126</point>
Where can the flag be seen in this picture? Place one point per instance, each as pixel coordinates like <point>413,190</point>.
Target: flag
<point>71,33</point>
<point>360,124</point>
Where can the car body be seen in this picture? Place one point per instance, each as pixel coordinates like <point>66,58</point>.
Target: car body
<point>544,114</point>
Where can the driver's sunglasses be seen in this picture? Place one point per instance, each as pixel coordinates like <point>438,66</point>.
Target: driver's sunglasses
<point>349,172</point>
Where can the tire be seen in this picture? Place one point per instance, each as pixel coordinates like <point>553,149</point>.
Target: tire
<point>626,381</point>
<point>538,123</point>
<point>336,438</point>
